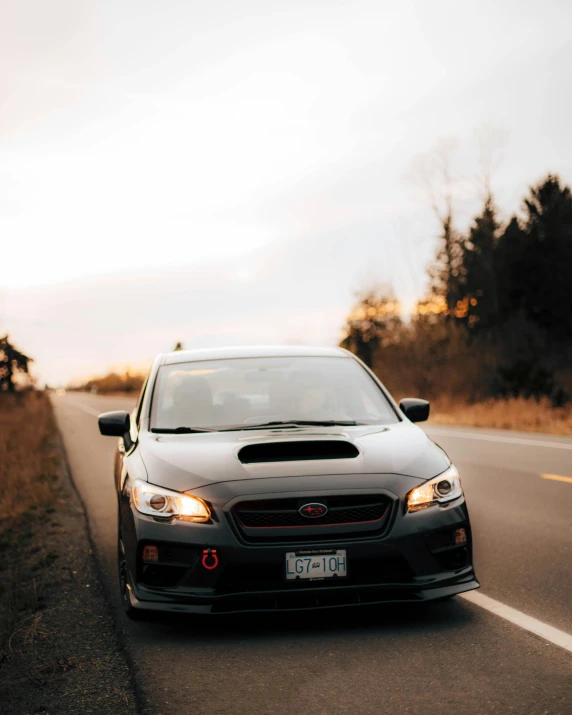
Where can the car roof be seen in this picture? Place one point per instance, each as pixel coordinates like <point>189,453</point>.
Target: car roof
<point>252,351</point>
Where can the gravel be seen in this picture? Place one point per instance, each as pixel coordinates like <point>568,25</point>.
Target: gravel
<point>64,655</point>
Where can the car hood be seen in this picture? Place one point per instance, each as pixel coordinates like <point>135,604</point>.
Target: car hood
<point>189,461</point>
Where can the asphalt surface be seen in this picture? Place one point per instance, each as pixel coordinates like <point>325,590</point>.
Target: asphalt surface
<point>436,658</point>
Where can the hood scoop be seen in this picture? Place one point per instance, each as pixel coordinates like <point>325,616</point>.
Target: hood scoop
<point>297,451</point>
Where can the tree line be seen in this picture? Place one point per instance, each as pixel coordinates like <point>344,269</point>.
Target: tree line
<point>118,382</point>
<point>496,321</point>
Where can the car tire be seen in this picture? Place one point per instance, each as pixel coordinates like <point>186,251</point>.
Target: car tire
<point>136,614</point>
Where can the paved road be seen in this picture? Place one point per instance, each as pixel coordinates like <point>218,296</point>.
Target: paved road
<point>442,658</point>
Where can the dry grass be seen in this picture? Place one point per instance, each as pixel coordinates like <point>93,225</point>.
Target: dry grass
<point>515,414</point>
<point>28,475</point>
<point>58,648</point>
<point>28,467</point>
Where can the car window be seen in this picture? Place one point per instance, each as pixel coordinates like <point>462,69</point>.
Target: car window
<point>222,393</point>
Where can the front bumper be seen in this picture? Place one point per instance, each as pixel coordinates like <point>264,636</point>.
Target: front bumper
<point>412,561</point>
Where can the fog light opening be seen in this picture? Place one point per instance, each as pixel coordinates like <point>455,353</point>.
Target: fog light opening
<point>150,553</point>
<point>460,537</point>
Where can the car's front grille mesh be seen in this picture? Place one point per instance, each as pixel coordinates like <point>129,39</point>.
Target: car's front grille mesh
<point>284,513</point>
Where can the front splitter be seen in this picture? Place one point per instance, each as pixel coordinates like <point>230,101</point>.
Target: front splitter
<point>415,596</point>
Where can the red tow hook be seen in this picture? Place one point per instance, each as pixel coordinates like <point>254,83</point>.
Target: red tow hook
<point>210,559</point>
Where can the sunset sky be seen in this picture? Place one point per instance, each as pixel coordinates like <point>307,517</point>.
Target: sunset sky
<point>232,172</point>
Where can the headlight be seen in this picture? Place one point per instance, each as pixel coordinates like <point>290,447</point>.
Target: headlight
<point>444,488</point>
<point>156,501</point>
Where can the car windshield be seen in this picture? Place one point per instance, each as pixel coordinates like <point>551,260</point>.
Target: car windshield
<point>247,392</point>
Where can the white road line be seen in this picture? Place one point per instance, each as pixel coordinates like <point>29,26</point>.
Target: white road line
<point>495,438</point>
<point>549,633</point>
<point>86,409</point>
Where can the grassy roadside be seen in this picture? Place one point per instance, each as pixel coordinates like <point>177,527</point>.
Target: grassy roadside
<point>58,649</point>
<point>514,414</point>
<point>28,478</point>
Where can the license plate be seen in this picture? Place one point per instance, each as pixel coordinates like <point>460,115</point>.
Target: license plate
<point>316,564</point>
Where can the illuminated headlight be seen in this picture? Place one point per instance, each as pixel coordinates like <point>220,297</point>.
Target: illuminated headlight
<point>156,501</point>
<point>441,489</point>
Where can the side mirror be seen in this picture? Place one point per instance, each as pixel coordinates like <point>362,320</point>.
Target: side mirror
<point>114,424</point>
<point>414,409</point>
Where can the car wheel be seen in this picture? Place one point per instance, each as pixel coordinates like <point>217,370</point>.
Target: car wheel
<point>135,614</point>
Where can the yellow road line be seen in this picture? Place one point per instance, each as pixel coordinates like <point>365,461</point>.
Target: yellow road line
<point>557,478</point>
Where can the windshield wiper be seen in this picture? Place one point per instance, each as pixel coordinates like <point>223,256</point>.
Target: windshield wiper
<point>180,430</point>
<point>294,423</point>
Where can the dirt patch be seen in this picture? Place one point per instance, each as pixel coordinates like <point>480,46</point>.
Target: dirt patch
<point>59,652</point>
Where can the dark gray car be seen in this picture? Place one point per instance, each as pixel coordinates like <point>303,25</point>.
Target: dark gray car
<point>282,478</point>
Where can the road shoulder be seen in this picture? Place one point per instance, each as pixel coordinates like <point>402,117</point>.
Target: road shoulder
<point>64,654</point>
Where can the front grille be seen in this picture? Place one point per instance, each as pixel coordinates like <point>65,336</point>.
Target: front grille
<point>324,599</point>
<point>283,513</point>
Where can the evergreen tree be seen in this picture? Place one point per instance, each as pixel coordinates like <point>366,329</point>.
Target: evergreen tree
<point>548,260</point>
<point>479,283</point>
<point>508,264</point>
<point>447,272</point>
<point>535,259</point>
<point>12,363</point>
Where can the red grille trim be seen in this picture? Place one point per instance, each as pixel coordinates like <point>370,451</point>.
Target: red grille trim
<point>314,526</point>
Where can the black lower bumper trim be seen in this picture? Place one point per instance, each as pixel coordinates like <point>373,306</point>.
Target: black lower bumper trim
<point>281,601</point>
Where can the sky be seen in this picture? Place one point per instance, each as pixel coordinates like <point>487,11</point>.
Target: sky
<point>231,172</point>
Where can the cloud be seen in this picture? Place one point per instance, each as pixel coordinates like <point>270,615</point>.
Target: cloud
<point>290,291</point>
<point>233,171</point>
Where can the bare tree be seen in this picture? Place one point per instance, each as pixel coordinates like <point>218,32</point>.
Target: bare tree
<point>433,172</point>
<point>491,141</point>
